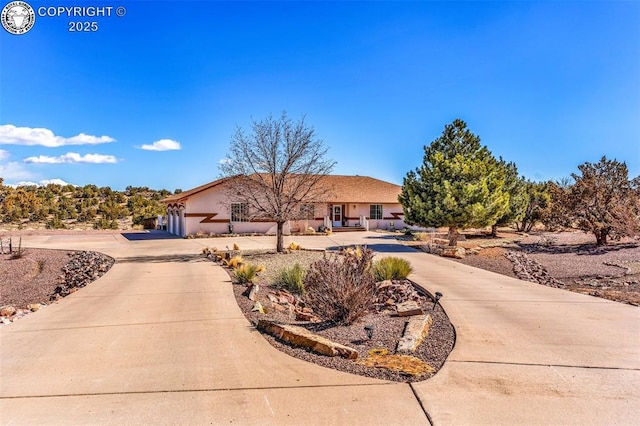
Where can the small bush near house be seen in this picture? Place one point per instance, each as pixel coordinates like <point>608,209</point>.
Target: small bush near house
<point>246,273</point>
<point>294,246</point>
<point>236,247</point>
<point>391,268</point>
<point>341,288</point>
<point>292,279</point>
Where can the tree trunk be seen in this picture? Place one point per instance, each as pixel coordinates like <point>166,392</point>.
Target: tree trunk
<point>494,230</point>
<point>279,243</point>
<point>453,236</point>
<point>601,237</point>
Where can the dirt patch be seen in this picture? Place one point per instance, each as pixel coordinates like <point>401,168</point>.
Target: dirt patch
<point>491,259</point>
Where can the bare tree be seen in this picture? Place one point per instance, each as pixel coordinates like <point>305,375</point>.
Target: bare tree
<point>277,169</point>
<point>604,201</point>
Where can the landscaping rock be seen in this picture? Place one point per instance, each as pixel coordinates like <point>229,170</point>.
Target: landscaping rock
<point>253,292</point>
<point>407,309</point>
<point>302,337</point>
<point>455,252</point>
<point>258,308</point>
<point>414,333</point>
<point>528,269</point>
<point>403,363</point>
<point>8,311</point>
<point>303,316</point>
<point>34,307</point>
<point>83,268</point>
<point>397,291</point>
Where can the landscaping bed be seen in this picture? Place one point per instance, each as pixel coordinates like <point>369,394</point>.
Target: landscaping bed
<point>387,326</point>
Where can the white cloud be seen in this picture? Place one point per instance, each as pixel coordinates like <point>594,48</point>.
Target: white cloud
<point>12,135</point>
<point>72,158</point>
<point>162,145</point>
<point>43,182</point>
<point>46,182</point>
<point>13,170</point>
<point>3,154</point>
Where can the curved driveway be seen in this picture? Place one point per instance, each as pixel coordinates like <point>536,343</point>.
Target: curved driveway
<point>160,339</point>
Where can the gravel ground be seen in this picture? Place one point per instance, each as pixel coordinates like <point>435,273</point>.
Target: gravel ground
<point>388,328</point>
<point>611,272</point>
<point>40,276</point>
<point>31,278</point>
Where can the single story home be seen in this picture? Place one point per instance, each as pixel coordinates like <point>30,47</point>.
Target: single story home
<point>352,203</point>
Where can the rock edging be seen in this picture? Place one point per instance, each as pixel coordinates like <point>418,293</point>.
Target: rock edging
<point>302,337</point>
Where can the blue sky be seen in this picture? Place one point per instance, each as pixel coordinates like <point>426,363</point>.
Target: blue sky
<point>548,85</point>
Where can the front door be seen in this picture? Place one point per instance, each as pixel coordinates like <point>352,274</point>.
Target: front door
<point>337,216</point>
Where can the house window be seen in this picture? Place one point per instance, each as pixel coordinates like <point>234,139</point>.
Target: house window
<point>307,211</point>
<point>239,212</point>
<point>375,211</point>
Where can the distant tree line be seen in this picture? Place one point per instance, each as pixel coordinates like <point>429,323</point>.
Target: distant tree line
<point>462,185</point>
<point>59,205</point>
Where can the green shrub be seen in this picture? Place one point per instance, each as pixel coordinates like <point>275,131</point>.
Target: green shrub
<point>341,288</point>
<point>292,279</point>
<point>246,273</point>
<point>391,268</point>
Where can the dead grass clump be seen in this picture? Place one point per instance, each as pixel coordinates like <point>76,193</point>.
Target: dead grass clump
<point>341,288</point>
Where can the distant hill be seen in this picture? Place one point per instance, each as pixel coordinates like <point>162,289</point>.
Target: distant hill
<point>78,207</point>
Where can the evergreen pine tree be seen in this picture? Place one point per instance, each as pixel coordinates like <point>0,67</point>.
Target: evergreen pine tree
<point>459,185</point>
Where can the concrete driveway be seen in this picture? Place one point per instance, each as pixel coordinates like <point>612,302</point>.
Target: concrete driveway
<point>159,339</point>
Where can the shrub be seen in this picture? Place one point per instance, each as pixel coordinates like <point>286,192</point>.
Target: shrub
<point>391,268</point>
<point>421,236</point>
<point>292,279</point>
<point>341,288</point>
<point>235,262</point>
<point>236,247</point>
<point>246,273</point>
<point>355,251</point>
<point>294,246</point>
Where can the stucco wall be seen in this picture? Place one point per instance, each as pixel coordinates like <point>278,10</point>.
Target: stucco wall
<point>213,205</point>
<point>353,211</point>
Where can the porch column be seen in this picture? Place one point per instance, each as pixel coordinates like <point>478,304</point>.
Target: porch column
<point>170,221</point>
<point>174,226</point>
<point>181,219</point>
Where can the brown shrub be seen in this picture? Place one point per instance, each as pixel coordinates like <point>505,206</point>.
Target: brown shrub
<point>341,288</point>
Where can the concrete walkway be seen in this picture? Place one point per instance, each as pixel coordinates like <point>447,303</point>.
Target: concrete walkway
<point>160,339</point>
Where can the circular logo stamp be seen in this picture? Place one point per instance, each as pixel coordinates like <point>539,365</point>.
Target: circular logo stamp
<point>18,17</point>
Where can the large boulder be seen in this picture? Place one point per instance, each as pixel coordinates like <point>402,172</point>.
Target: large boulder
<point>414,333</point>
<point>455,252</point>
<point>299,336</point>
